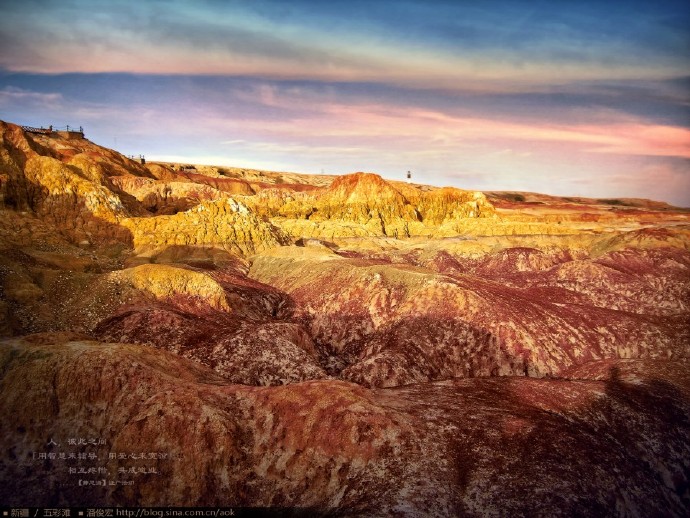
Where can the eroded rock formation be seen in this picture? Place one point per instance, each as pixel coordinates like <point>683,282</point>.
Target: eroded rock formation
<point>356,345</point>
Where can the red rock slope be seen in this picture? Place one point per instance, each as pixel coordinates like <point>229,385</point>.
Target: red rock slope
<point>613,441</point>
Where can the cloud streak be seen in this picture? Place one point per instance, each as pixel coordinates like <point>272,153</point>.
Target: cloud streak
<point>13,96</point>
<point>365,123</point>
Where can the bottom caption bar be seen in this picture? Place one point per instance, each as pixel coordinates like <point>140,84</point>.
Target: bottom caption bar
<point>153,512</point>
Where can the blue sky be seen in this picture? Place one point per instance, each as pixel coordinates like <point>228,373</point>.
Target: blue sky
<point>573,98</point>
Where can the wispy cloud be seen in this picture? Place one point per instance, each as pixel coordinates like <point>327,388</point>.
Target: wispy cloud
<point>11,95</point>
<point>370,122</point>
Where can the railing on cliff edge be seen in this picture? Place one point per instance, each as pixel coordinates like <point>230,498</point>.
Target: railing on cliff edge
<point>45,131</point>
<point>52,129</point>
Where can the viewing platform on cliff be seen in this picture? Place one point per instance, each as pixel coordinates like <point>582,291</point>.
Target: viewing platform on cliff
<point>63,131</point>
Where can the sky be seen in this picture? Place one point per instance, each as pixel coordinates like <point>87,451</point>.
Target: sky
<point>568,98</point>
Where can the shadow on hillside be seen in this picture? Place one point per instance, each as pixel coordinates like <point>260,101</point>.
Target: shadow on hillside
<point>71,215</point>
<point>209,258</point>
<point>537,447</point>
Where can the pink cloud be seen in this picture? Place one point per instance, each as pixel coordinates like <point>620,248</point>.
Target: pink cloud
<point>440,130</point>
<point>645,139</point>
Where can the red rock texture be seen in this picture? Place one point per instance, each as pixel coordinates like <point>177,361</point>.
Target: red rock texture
<point>614,442</point>
<point>516,312</point>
